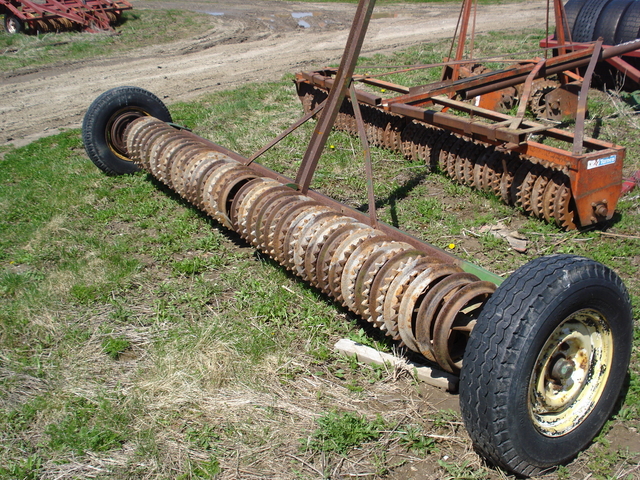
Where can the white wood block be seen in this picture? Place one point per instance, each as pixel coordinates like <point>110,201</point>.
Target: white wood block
<point>428,375</point>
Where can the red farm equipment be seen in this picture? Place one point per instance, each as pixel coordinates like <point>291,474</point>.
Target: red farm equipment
<point>458,126</point>
<point>541,355</point>
<point>57,15</point>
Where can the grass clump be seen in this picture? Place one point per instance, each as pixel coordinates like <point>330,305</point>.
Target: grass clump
<point>115,346</point>
<point>341,431</point>
<point>88,426</point>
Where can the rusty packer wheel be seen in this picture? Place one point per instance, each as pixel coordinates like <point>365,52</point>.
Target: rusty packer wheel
<point>106,120</point>
<point>545,362</point>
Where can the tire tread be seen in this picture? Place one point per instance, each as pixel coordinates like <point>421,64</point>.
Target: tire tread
<point>491,353</point>
<point>98,113</point>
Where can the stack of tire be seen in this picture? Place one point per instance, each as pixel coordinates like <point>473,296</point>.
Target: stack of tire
<point>616,21</point>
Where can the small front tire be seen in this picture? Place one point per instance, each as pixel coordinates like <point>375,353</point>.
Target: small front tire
<point>106,120</point>
<point>546,362</point>
<point>12,24</point>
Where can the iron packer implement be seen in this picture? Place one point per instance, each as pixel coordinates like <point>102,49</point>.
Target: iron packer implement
<point>541,356</point>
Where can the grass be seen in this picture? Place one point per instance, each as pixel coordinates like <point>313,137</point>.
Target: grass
<point>140,339</point>
<point>137,28</point>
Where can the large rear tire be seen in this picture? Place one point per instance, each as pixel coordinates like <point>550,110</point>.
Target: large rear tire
<point>572,10</point>
<point>546,362</point>
<point>609,19</point>
<point>629,26</point>
<point>106,120</point>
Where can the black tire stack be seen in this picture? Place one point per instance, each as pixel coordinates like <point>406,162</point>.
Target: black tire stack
<point>616,21</point>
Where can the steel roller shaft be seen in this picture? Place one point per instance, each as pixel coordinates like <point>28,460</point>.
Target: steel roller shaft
<point>425,304</point>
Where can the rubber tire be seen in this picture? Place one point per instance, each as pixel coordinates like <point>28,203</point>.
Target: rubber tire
<point>609,20</point>
<point>96,120</point>
<point>504,345</point>
<point>629,26</point>
<point>586,21</point>
<point>18,24</point>
<point>572,9</point>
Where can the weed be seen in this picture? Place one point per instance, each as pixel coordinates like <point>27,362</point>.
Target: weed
<point>205,437</point>
<point>191,266</point>
<point>444,418</point>
<point>414,439</point>
<point>88,426</point>
<point>604,459</point>
<point>341,431</point>
<point>115,346</point>
<point>14,283</point>
<point>461,471</point>
<point>208,469</point>
<point>26,469</point>
<point>563,473</point>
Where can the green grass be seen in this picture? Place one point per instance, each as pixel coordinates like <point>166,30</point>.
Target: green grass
<point>341,431</point>
<point>139,338</point>
<point>136,29</point>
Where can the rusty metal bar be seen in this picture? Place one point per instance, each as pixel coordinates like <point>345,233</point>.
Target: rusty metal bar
<point>286,132</point>
<point>492,81</point>
<point>526,93</point>
<point>462,39</point>
<point>582,99</point>
<point>367,157</point>
<point>561,21</point>
<point>625,68</point>
<point>336,95</point>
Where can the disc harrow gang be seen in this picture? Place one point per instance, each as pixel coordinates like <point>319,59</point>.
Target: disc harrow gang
<point>427,305</point>
<point>540,188</point>
<point>43,16</point>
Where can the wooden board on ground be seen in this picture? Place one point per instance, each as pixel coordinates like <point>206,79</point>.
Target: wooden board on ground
<point>429,375</point>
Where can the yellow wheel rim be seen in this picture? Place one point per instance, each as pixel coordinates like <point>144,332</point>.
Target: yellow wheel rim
<point>570,373</point>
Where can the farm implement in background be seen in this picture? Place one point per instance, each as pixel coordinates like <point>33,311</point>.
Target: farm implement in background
<point>58,15</point>
<point>541,355</point>
<point>553,174</point>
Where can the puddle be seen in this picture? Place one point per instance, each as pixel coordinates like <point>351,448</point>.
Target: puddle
<point>299,15</point>
<point>376,16</point>
<point>215,14</point>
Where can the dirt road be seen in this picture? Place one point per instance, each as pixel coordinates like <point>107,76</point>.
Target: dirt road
<point>253,41</point>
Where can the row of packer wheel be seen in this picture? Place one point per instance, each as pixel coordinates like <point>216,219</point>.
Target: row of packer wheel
<point>531,184</point>
<point>546,353</point>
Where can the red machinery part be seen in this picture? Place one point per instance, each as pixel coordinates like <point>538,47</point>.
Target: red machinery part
<point>629,184</point>
<point>55,15</point>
